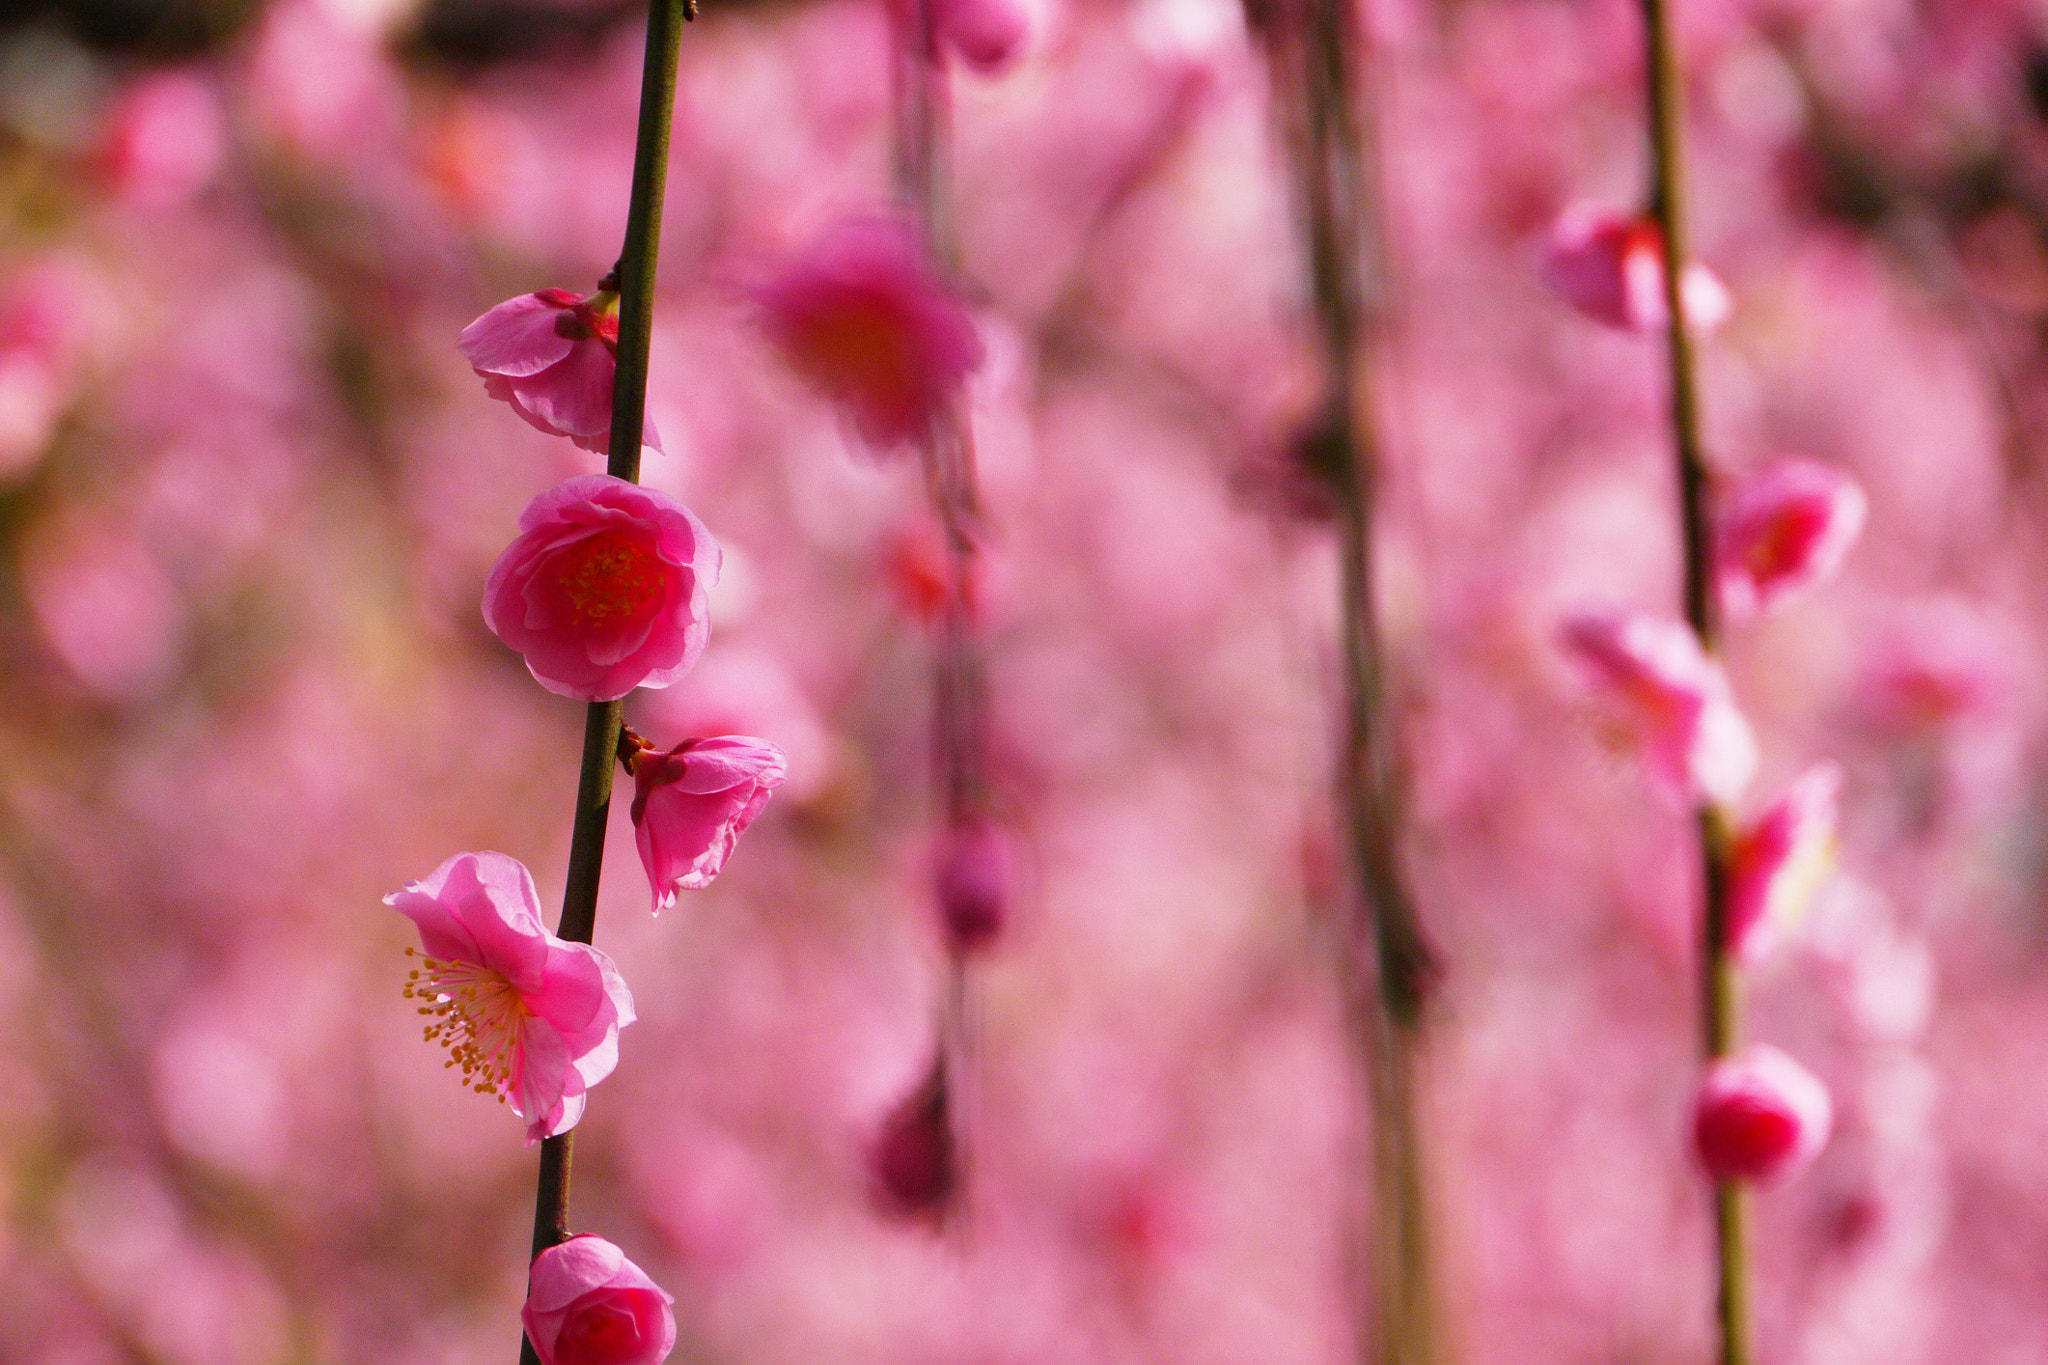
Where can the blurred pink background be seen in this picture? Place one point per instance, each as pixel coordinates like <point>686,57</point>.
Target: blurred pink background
<point>249,491</point>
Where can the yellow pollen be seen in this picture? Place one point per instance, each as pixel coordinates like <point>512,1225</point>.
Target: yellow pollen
<point>607,578</point>
<point>477,1016</point>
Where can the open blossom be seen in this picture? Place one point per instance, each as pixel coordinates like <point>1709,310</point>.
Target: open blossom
<point>1675,698</point>
<point>691,804</point>
<point>1785,528</point>
<point>605,589</point>
<point>527,1016</point>
<point>862,316</point>
<point>1761,1116</point>
<point>1611,268</point>
<point>553,357</point>
<point>586,1304</point>
<point>1780,859</point>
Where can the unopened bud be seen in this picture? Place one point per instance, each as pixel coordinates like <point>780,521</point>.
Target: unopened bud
<point>1761,1116</point>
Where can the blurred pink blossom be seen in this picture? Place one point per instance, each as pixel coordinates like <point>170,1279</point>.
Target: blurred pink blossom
<point>527,1016</point>
<point>107,610</point>
<point>1761,1116</point>
<point>164,140</point>
<point>986,33</point>
<point>863,317</point>
<point>605,589</point>
<point>973,883</point>
<point>586,1304</point>
<point>553,357</point>
<point>1611,268</point>
<point>1779,860</point>
<point>1941,662</point>
<point>1675,698</point>
<point>691,804</point>
<point>915,1171</point>
<point>1785,528</point>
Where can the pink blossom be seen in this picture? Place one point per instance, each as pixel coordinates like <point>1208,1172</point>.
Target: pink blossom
<point>973,883</point>
<point>691,804</point>
<point>164,140</point>
<point>1761,1116</point>
<point>586,1304</point>
<point>1675,698</point>
<point>986,33</point>
<point>553,357</point>
<point>1611,268</point>
<point>1780,859</point>
<point>862,316</point>
<point>527,1016</point>
<point>605,588</point>
<point>1784,529</point>
<point>915,1169</point>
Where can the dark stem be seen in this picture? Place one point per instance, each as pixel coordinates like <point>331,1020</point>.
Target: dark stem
<point>1718,977</point>
<point>1390,1022</point>
<point>602,720</point>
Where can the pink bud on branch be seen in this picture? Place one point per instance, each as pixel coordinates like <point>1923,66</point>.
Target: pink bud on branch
<point>586,1304</point>
<point>1780,859</point>
<point>525,1015</point>
<point>1761,1116</point>
<point>553,357</point>
<point>691,804</point>
<point>1785,529</point>
<point>1611,268</point>
<point>605,589</point>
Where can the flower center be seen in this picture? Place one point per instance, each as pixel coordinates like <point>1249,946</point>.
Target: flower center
<point>476,1014</point>
<point>606,579</point>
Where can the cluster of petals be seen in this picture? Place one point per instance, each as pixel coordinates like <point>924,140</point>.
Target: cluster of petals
<point>586,1304</point>
<point>1779,860</point>
<point>553,356</point>
<point>1611,268</point>
<point>988,34</point>
<point>864,318</point>
<point>524,1014</point>
<point>1787,527</point>
<point>1761,1116</point>
<point>1675,699</point>
<point>605,589</point>
<point>692,803</point>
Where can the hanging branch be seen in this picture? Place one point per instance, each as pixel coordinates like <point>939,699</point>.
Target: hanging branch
<point>1719,996</point>
<point>1389,1020</point>
<point>635,282</point>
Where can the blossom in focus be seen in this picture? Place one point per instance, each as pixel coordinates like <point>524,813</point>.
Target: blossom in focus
<point>1761,1116</point>
<point>605,589</point>
<point>553,357</point>
<point>691,804</point>
<point>586,1304</point>
<point>1784,529</point>
<point>527,1016</point>
<point>1611,268</point>
<point>1675,699</point>
<point>864,318</point>
<point>1780,859</point>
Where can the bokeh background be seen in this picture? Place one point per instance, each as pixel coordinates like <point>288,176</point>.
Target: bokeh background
<point>249,491</point>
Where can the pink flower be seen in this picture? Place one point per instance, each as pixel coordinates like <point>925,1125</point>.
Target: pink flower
<point>1611,268</point>
<point>528,1017</point>
<point>552,356</point>
<point>1780,859</point>
<point>691,804</point>
<point>1761,1116</point>
<point>973,884</point>
<point>164,140</point>
<point>986,33</point>
<point>862,316</point>
<point>1787,527</point>
<point>605,588</point>
<point>1675,698</point>
<point>915,1169</point>
<point>586,1304</point>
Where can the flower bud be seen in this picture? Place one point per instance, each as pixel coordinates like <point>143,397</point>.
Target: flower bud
<point>1785,529</point>
<point>1611,268</point>
<point>586,1304</point>
<point>913,1162</point>
<point>1780,859</point>
<point>973,884</point>
<point>1761,1116</point>
<point>691,804</point>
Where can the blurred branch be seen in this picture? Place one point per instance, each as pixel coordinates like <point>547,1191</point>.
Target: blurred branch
<point>1719,983</point>
<point>629,406</point>
<point>1316,56</point>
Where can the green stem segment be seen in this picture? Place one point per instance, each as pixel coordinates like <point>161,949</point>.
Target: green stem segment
<point>1719,983</point>
<point>602,721</point>
<point>1390,1024</point>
